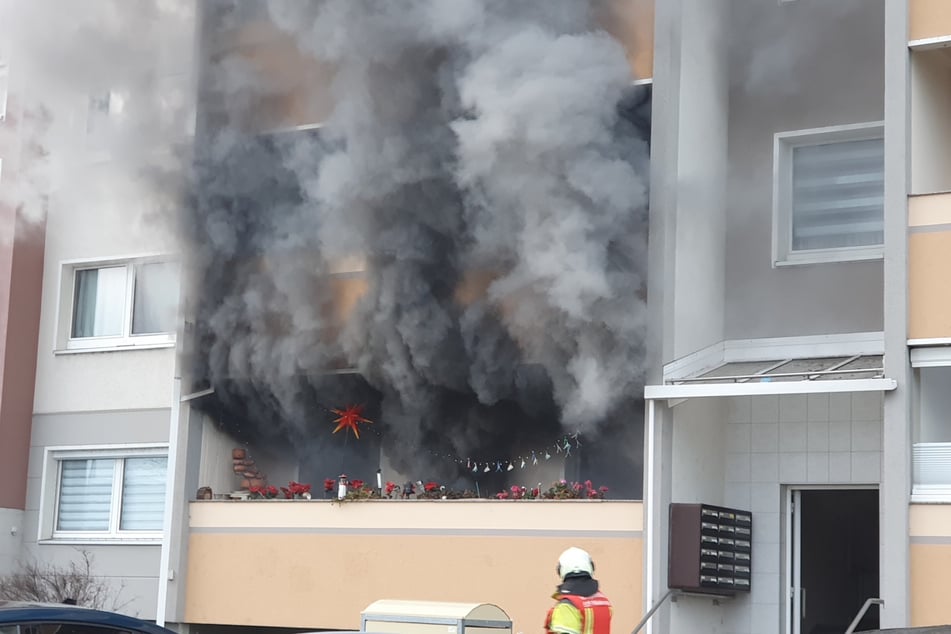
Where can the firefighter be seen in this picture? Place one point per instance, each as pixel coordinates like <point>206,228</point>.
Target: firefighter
<point>580,607</point>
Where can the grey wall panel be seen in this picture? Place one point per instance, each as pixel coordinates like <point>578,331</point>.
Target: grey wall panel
<point>95,428</point>
<point>796,66</point>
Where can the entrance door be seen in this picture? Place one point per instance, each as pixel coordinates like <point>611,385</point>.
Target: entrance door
<point>833,557</point>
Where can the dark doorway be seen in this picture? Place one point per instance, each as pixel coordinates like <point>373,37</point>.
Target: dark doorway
<point>838,559</point>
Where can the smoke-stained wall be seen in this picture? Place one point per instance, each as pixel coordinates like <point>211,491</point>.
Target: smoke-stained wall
<point>489,140</point>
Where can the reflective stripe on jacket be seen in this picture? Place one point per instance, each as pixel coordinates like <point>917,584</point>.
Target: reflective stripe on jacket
<point>594,611</point>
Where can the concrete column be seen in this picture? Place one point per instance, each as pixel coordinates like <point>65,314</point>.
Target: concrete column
<point>896,437</point>
<point>658,462</point>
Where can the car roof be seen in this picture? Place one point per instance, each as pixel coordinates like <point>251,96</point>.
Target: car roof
<point>29,612</point>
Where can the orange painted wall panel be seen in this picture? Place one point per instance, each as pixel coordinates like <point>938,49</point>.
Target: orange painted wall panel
<point>928,19</point>
<point>930,580</point>
<point>318,564</point>
<point>929,285</point>
<point>632,22</point>
<point>325,581</point>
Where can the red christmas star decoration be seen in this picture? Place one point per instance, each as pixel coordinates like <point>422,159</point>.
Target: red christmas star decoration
<point>349,419</point>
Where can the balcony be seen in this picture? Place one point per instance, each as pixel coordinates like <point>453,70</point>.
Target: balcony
<point>317,564</point>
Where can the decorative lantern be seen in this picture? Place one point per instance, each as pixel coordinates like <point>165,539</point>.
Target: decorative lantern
<point>342,483</point>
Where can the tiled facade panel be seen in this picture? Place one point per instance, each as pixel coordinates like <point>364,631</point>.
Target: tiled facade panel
<point>794,440</point>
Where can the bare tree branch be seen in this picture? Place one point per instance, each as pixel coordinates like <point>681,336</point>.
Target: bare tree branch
<point>45,582</point>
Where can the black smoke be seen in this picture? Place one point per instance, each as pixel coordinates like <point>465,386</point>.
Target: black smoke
<point>485,163</point>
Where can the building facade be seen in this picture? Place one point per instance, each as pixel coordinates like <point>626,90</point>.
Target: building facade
<point>798,327</point>
<point>92,289</point>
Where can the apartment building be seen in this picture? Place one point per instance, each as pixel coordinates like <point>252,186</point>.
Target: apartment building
<point>797,318</point>
<point>801,131</point>
<point>22,248</point>
<point>91,287</point>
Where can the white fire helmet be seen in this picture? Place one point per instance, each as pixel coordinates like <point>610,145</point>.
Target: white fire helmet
<point>575,561</point>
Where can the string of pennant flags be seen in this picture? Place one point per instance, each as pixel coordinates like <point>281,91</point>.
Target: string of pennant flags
<point>562,446</point>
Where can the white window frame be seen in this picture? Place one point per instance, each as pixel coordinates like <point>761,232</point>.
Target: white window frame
<point>49,493</point>
<point>927,357</point>
<point>4,89</point>
<point>65,342</point>
<point>783,145</point>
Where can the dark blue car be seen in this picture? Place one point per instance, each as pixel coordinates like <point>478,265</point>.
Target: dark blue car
<point>50,618</point>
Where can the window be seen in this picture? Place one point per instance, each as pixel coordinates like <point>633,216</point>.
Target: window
<point>4,81</point>
<point>103,109</point>
<point>105,494</point>
<point>931,451</point>
<point>828,194</point>
<point>123,304</point>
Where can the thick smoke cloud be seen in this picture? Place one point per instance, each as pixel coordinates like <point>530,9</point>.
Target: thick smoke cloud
<point>105,88</point>
<point>477,160</point>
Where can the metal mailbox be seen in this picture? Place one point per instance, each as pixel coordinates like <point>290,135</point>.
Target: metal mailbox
<point>710,549</point>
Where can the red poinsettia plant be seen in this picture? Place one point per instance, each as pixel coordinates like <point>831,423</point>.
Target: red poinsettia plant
<point>296,491</point>
<point>560,490</point>
<point>268,492</point>
<point>358,490</point>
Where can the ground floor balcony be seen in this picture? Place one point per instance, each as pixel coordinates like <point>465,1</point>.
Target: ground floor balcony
<point>318,563</point>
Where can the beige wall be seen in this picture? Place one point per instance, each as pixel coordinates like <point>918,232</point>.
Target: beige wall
<point>319,564</point>
<point>928,18</point>
<point>930,528</point>
<point>632,22</point>
<point>929,258</point>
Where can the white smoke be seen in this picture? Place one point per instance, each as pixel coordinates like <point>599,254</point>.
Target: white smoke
<point>95,80</point>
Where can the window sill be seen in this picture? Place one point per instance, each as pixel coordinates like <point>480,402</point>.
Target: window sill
<point>931,494</point>
<point>108,348</point>
<point>829,257</point>
<point>101,541</point>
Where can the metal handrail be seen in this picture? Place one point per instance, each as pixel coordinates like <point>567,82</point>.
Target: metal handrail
<point>858,617</point>
<point>778,375</point>
<point>650,613</point>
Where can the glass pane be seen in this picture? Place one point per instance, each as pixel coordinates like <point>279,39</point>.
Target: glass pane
<point>143,494</point>
<point>838,193</point>
<point>99,302</point>
<point>932,463</point>
<point>156,298</point>
<point>85,495</point>
<point>934,424</point>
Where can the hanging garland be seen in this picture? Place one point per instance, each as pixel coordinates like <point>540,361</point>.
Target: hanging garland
<point>563,445</point>
<point>351,416</point>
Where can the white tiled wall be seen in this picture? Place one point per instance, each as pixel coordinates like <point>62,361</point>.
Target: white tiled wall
<point>793,440</point>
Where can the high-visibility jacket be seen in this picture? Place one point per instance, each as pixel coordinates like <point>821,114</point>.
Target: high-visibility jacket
<point>575,614</point>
